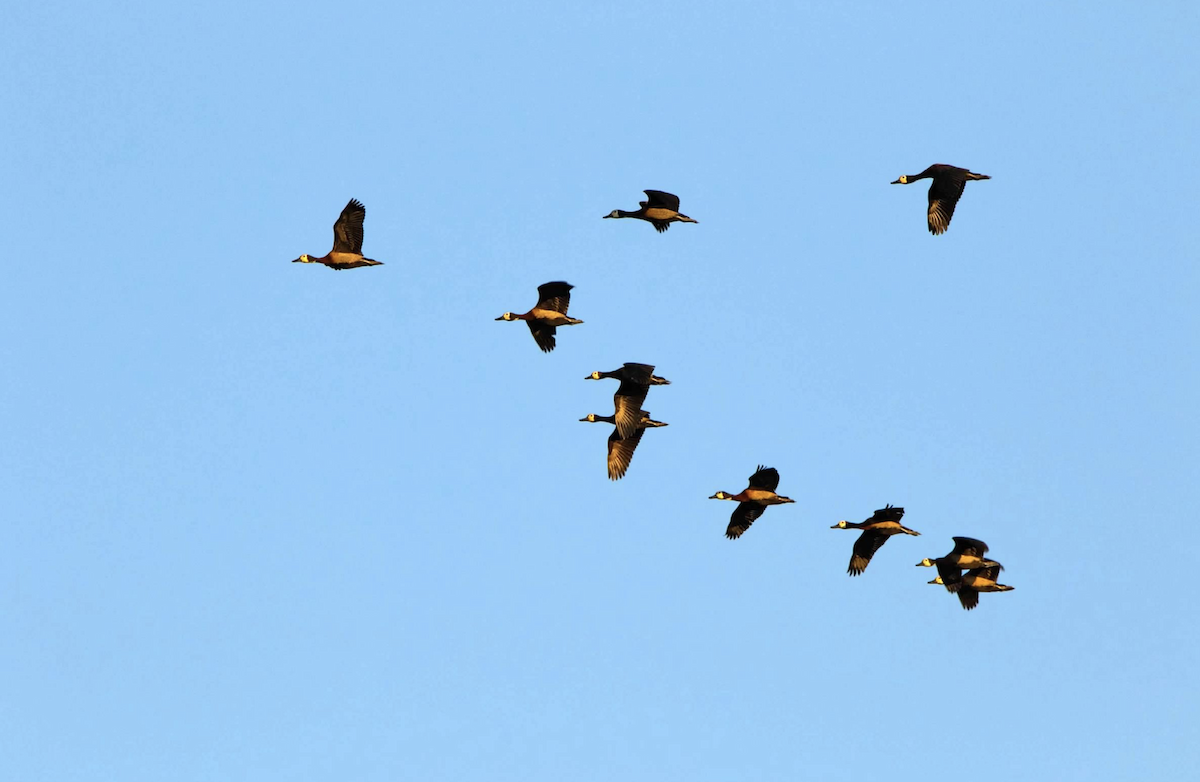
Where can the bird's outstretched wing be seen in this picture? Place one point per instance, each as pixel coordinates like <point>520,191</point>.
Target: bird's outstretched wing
<point>348,230</point>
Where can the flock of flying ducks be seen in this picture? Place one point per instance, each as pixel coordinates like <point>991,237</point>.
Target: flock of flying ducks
<point>964,571</point>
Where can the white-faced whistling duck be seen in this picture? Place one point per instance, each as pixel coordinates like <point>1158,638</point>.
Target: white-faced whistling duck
<point>884,523</point>
<point>636,380</point>
<point>966,555</point>
<point>944,192</point>
<point>548,315</point>
<point>638,373</point>
<point>620,449</point>
<point>753,501</point>
<point>347,241</point>
<point>975,581</point>
<point>660,210</point>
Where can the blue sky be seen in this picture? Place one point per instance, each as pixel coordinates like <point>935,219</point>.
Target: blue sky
<point>268,521</point>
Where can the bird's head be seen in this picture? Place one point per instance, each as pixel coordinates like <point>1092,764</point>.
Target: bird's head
<point>613,213</point>
<point>721,495</point>
<point>841,525</point>
<point>903,180</point>
<point>590,417</point>
<point>303,259</point>
<point>593,376</point>
<point>938,581</point>
<point>927,562</point>
<point>507,316</point>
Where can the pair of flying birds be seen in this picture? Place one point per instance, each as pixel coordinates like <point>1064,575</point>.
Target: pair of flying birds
<point>754,500</point>
<point>660,210</point>
<point>629,420</point>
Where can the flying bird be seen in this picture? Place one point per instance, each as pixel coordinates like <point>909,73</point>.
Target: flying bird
<point>548,314</point>
<point>753,501</point>
<point>637,373</point>
<point>661,209</point>
<point>620,449</point>
<point>884,523</point>
<point>347,241</point>
<point>975,581</point>
<point>944,192</point>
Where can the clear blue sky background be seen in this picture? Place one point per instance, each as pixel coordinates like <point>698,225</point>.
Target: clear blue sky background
<point>264,521</point>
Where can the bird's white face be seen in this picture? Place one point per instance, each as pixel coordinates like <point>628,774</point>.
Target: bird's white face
<point>927,562</point>
<point>594,376</point>
<point>719,496</point>
<point>304,259</point>
<point>904,179</point>
<point>507,316</point>
<point>840,525</point>
<point>614,213</point>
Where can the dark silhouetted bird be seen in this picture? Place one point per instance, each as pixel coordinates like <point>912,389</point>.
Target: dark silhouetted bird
<point>638,373</point>
<point>660,210</point>
<point>944,192</point>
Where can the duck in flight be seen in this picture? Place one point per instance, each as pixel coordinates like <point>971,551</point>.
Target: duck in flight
<point>347,241</point>
<point>620,449</point>
<point>944,192</point>
<point>548,314</point>
<point>638,373</point>
<point>660,210</point>
<point>753,501</point>
<point>884,523</point>
<point>975,581</point>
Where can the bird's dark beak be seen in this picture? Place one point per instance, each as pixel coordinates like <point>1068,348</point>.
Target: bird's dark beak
<point>500,318</point>
<point>607,216</point>
<point>896,182</point>
<point>296,261</point>
<point>584,418</point>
